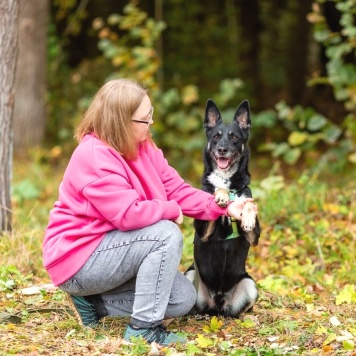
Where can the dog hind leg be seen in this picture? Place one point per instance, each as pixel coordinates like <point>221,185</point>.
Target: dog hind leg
<point>244,295</point>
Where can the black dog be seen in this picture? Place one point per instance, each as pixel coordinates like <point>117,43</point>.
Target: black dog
<point>221,247</point>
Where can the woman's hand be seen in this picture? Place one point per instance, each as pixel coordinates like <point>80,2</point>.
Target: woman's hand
<point>179,219</point>
<point>234,210</point>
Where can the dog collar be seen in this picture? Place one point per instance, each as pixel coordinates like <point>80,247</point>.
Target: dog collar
<point>232,194</point>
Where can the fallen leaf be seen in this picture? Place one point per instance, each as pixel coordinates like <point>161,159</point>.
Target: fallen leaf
<point>335,321</point>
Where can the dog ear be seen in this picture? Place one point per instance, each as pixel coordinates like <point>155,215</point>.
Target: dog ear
<point>243,116</point>
<point>212,114</point>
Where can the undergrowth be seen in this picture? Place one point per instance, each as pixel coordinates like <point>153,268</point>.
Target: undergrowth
<point>304,266</point>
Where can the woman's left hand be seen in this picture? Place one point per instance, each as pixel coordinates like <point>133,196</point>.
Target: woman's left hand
<point>235,208</point>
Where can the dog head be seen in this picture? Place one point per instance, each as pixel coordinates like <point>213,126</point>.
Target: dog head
<point>226,141</point>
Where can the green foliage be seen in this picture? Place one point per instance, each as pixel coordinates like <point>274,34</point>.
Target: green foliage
<point>24,190</point>
<point>304,266</point>
<point>214,326</point>
<point>128,41</point>
<point>340,46</point>
<point>310,137</point>
<point>11,278</point>
<point>139,346</point>
<point>304,220</point>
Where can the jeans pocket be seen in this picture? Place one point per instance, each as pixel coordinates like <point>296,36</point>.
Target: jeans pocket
<point>71,286</point>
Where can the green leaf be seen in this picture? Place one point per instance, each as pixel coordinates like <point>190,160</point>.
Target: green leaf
<point>292,156</point>
<point>225,345</point>
<point>25,190</point>
<point>279,149</point>
<point>348,345</point>
<point>192,349</point>
<point>316,122</point>
<point>267,331</point>
<point>273,183</point>
<point>273,284</point>
<point>321,35</point>
<point>248,323</point>
<point>266,118</point>
<point>332,133</point>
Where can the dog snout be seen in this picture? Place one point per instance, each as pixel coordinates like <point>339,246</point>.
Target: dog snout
<point>222,151</point>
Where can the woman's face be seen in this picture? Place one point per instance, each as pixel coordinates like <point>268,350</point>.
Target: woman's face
<point>142,119</point>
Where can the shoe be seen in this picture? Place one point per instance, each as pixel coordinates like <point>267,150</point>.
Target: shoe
<point>85,310</point>
<point>158,334</point>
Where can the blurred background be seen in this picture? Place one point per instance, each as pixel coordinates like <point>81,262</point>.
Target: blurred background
<point>293,60</point>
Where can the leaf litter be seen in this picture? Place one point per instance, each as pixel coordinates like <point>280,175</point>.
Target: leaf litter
<point>305,269</point>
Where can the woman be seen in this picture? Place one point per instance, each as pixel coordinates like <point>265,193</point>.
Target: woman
<point>113,241</point>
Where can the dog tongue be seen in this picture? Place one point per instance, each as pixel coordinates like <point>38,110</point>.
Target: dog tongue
<point>222,163</point>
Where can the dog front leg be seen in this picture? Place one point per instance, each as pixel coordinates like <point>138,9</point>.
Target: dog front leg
<point>222,197</point>
<point>248,223</point>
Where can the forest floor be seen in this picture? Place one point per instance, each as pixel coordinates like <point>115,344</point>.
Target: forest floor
<point>304,266</point>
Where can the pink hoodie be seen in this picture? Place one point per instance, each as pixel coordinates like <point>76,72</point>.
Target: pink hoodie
<point>101,191</point>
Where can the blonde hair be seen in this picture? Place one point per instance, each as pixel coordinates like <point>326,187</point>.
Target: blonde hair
<point>109,116</point>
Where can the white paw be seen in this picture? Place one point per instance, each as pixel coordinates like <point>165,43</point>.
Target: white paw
<point>222,197</point>
<point>248,220</point>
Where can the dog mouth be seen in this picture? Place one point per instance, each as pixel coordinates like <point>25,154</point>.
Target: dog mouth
<point>223,162</point>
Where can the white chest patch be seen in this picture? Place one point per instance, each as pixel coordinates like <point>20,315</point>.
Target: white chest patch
<point>220,179</point>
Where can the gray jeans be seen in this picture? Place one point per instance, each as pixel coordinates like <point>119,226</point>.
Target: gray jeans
<point>135,272</point>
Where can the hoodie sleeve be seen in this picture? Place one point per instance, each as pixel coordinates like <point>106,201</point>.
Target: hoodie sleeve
<point>118,203</point>
<point>194,202</point>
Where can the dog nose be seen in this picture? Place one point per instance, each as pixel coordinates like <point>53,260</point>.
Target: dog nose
<point>222,151</point>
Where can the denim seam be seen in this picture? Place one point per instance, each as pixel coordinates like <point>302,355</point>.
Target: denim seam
<point>163,259</point>
<point>124,243</point>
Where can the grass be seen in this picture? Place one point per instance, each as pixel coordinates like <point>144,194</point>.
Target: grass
<point>304,265</point>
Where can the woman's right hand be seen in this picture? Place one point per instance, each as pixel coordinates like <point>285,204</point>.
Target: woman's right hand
<point>179,219</point>
<point>234,209</point>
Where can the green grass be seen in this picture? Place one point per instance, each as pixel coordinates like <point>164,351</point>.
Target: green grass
<point>304,265</point>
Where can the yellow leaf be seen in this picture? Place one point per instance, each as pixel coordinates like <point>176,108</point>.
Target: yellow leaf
<point>203,341</point>
<point>206,328</point>
<point>332,208</point>
<point>348,345</point>
<point>347,295</point>
<point>321,330</point>
<point>329,339</point>
<point>215,324</point>
<point>190,94</point>
<point>297,138</point>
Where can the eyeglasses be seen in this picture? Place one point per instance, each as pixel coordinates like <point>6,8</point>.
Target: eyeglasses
<point>150,115</point>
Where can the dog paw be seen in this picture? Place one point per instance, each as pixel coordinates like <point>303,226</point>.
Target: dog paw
<point>248,220</point>
<point>222,197</point>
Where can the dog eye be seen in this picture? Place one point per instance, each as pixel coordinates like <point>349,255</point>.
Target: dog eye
<point>217,137</point>
<point>233,138</point>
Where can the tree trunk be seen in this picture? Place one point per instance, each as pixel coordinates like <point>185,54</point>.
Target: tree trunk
<point>249,51</point>
<point>8,52</point>
<point>298,54</point>
<point>30,79</point>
